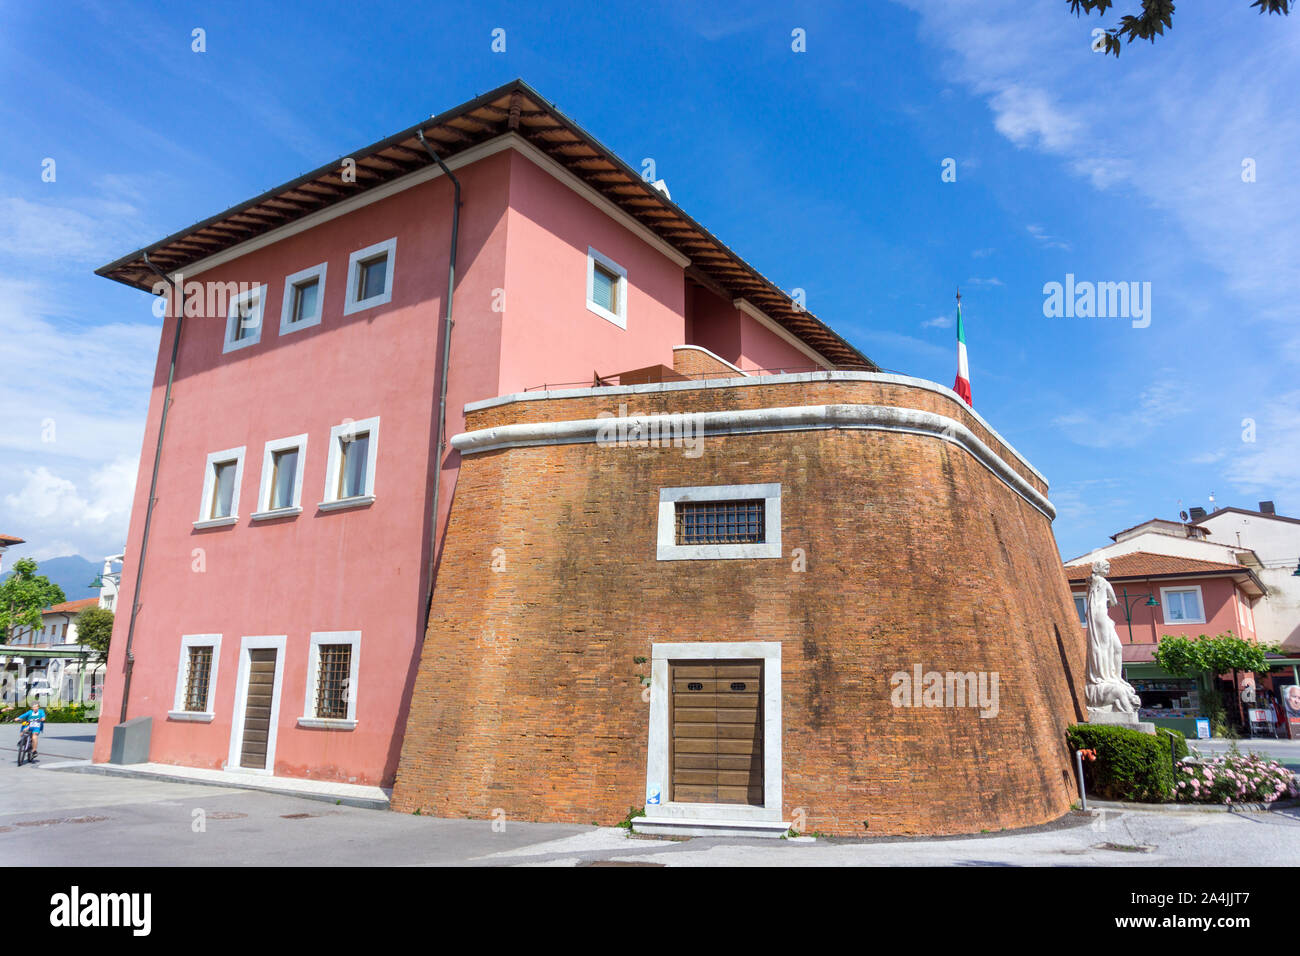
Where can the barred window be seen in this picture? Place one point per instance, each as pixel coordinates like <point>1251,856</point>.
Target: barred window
<point>197,678</point>
<point>720,522</point>
<point>332,680</point>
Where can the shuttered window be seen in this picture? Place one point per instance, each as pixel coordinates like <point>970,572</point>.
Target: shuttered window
<point>604,288</point>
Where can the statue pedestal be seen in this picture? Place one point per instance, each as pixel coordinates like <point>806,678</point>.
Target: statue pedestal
<point>1120,719</point>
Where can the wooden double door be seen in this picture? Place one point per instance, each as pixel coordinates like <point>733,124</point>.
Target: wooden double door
<point>717,732</point>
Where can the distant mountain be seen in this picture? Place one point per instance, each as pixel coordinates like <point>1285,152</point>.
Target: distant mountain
<point>72,573</point>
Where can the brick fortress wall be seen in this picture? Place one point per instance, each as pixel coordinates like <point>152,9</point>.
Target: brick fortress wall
<point>529,696</point>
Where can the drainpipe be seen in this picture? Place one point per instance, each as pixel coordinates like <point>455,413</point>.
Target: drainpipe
<point>445,362</point>
<point>178,298</point>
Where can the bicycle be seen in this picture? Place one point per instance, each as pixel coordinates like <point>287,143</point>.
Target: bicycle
<point>25,744</point>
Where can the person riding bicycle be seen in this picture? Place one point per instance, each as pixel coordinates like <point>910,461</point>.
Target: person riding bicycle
<point>34,723</point>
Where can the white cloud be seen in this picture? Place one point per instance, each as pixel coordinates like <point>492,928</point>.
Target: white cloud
<point>1156,407</point>
<point>938,322</point>
<point>62,231</point>
<point>91,517</point>
<point>75,399</point>
<point>1270,464</point>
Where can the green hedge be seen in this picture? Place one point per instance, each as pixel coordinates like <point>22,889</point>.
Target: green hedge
<point>1130,765</point>
<point>71,714</point>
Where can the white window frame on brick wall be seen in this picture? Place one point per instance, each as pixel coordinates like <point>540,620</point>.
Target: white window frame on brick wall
<point>309,718</point>
<point>1164,603</point>
<point>209,481</point>
<point>330,500</point>
<point>667,548</point>
<point>351,303</point>
<point>264,509</point>
<point>291,283</point>
<point>619,318</point>
<point>258,295</point>
<point>178,711</point>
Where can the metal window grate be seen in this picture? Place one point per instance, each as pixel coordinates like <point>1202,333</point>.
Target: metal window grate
<point>332,680</point>
<point>720,522</point>
<point>197,679</point>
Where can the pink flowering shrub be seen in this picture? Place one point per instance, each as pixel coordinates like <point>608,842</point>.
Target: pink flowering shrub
<point>1234,778</point>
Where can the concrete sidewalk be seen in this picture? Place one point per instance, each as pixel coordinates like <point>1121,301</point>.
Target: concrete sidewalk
<point>346,794</point>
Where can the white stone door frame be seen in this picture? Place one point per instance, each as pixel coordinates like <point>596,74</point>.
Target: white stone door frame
<point>657,759</point>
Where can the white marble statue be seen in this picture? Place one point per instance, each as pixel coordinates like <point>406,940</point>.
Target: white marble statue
<point>1106,690</point>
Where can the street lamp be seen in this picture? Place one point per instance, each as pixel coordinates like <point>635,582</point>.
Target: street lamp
<point>1129,605</point>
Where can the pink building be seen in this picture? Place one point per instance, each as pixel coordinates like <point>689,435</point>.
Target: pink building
<point>1161,595</point>
<point>295,473</point>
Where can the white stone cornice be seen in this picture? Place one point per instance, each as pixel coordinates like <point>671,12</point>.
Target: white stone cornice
<point>756,420</point>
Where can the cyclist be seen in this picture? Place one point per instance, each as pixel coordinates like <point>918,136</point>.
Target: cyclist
<point>35,721</point>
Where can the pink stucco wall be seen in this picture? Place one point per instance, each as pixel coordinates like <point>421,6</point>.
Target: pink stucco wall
<point>550,337</point>
<point>359,569</point>
<point>717,325</point>
<point>1222,606</point>
<point>521,321</point>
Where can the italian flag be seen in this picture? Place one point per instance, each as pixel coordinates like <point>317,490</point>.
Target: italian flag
<point>962,385</point>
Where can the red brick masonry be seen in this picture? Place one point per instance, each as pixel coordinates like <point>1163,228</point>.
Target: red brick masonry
<point>529,695</point>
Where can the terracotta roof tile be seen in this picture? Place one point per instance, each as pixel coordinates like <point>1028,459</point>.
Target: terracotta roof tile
<point>72,607</point>
<point>1143,563</point>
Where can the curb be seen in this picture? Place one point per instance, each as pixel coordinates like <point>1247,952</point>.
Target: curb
<point>1196,807</point>
<point>362,803</point>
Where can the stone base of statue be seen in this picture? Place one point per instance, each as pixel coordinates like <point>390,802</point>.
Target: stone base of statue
<point>1120,719</point>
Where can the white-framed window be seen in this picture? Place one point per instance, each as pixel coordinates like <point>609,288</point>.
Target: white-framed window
<point>1081,606</point>
<point>196,677</point>
<point>244,319</point>
<point>332,667</point>
<point>350,467</point>
<point>606,288</point>
<point>304,299</point>
<point>280,493</point>
<point>719,522</point>
<point>222,477</point>
<point>1182,605</point>
<point>370,276</point>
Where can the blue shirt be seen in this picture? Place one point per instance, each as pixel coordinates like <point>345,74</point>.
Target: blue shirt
<point>36,719</point>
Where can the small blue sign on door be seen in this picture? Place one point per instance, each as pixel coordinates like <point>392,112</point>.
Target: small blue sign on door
<point>652,797</point>
<point>1202,728</point>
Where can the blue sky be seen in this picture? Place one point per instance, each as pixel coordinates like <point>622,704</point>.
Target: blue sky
<point>821,168</point>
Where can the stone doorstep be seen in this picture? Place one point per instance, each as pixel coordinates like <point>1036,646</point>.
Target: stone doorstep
<point>673,826</point>
<point>346,794</point>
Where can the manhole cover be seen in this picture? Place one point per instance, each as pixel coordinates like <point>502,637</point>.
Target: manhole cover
<point>1125,847</point>
<point>619,863</point>
<point>57,820</point>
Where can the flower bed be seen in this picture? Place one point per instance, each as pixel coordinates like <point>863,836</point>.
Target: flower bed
<point>1233,778</point>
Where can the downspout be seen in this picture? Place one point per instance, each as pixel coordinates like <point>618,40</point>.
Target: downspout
<point>178,298</point>
<point>442,385</point>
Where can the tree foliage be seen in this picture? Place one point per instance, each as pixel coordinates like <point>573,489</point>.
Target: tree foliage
<point>23,595</point>
<point>1182,656</point>
<point>95,629</point>
<point>1156,17</point>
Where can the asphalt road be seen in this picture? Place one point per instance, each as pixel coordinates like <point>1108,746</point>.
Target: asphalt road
<point>65,817</point>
